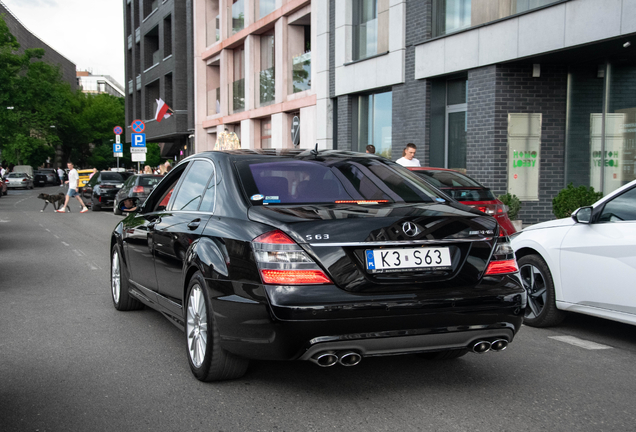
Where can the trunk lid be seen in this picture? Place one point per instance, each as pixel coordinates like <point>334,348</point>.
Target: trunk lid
<point>343,239</point>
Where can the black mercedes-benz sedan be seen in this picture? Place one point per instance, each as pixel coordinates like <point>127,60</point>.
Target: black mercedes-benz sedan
<point>328,256</point>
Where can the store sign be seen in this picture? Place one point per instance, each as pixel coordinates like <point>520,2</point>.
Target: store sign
<point>524,155</point>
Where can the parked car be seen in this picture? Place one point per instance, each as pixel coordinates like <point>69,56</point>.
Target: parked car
<point>468,191</point>
<point>139,186</point>
<point>583,264</point>
<point>101,189</point>
<point>39,178</point>
<point>84,177</point>
<point>51,175</point>
<point>19,180</point>
<point>326,256</point>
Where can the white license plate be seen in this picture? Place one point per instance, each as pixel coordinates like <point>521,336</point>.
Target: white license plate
<point>407,259</point>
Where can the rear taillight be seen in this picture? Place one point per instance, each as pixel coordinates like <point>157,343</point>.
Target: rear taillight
<point>503,260</point>
<point>281,261</point>
<point>492,209</point>
<point>138,189</point>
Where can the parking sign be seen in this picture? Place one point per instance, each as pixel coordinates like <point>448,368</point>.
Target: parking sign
<point>118,148</point>
<point>138,140</point>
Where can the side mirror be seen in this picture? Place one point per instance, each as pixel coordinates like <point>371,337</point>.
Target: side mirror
<point>583,215</point>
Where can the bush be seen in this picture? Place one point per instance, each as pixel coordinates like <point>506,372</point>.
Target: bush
<point>571,198</point>
<point>513,203</point>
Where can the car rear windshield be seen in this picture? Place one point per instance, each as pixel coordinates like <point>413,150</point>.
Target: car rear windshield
<point>149,181</point>
<point>17,175</point>
<point>459,186</point>
<point>337,180</point>
<point>112,176</point>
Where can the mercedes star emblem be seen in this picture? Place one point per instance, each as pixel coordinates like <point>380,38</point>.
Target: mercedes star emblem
<point>410,229</point>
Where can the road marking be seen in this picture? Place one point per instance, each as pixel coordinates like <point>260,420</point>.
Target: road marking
<point>56,236</point>
<point>65,244</point>
<point>580,342</point>
<point>78,253</point>
<point>4,221</point>
<point>46,229</point>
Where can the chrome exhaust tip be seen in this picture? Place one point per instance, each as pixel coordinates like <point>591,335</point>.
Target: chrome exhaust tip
<point>481,347</point>
<point>350,358</point>
<point>499,345</point>
<point>325,359</point>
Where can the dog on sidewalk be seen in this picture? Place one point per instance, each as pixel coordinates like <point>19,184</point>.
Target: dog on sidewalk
<point>57,200</point>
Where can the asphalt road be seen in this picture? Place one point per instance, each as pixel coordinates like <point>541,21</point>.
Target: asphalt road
<point>70,362</point>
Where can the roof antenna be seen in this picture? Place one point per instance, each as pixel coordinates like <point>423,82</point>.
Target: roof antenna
<point>315,151</point>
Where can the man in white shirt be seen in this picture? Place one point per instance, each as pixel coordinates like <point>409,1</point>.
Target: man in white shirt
<point>408,156</point>
<point>73,189</point>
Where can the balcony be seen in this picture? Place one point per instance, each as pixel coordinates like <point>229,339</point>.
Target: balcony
<point>237,96</point>
<point>266,89</point>
<point>137,34</point>
<point>214,101</point>
<point>130,42</point>
<point>130,86</point>
<point>138,82</point>
<point>301,73</point>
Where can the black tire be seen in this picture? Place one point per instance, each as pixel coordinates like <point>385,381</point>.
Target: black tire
<point>541,310</point>
<point>122,300</point>
<point>208,361</point>
<point>444,355</point>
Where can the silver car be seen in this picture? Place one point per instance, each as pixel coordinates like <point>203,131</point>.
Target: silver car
<point>19,180</point>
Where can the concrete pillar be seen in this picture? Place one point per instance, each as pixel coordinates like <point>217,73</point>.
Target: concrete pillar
<point>281,130</point>
<point>320,74</point>
<point>252,52</point>
<point>248,134</point>
<point>282,64</point>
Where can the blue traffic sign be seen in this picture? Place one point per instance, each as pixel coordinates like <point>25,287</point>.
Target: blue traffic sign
<point>138,139</point>
<point>138,126</point>
<point>118,148</point>
<point>118,130</point>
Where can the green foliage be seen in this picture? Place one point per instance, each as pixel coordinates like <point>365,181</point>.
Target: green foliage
<point>513,203</point>
<point>571,198</point>
<point>47,114</point>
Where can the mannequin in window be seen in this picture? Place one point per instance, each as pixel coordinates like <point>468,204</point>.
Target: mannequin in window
<point>227,141</point>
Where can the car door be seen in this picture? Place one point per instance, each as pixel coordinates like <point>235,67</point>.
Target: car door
<point>87,190</point>
<point>598,260</point>
<point>139,229</point>
<point>179,226</point>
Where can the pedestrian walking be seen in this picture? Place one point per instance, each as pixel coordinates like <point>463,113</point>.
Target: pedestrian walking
<point>60,174</point>
<point>147,169</point>
<point>73,189</point>
<point>408,156</point>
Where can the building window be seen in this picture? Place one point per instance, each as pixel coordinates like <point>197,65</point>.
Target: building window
<point>213,80</point>
<point>264,7</point>
<point>453,15</point>
<point>238,16</point>
<point>448,123</point>
<point>152,94</point>
<point>365,28</point>
<point>213,28</point>
<point>266,132</point>
<point>237,87</point>
<point>300,48</point>
<point>266,77</point>
<point>601,119</point>
<point>373,123</point>
<point>152,56</point>
<point>167,36</point>
<point>168,97</point>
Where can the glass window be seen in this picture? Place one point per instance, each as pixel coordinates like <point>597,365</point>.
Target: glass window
<point>266,132</point>
<point>374,123</point>
<point>454,15</point>
<point>265,7</point>
<point>621,208</point>
<point>289,181</point>
<point>266,78</point>
<point>365,28</point>
<point>238,16</point>
<point>209,198</point>
<point>193,186</point>
<point>601,133</point>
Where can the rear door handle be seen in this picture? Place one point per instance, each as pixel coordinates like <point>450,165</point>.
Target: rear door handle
<point>194,224</point>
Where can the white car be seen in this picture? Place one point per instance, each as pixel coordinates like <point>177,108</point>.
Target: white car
<point>585,264</point>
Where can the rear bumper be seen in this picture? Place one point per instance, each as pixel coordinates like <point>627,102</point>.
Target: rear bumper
<point>297,322</point>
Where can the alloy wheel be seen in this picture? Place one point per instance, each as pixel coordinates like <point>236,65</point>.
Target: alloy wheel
<point>115,277</point>
<point>197,326</point>
<point>534,284</point>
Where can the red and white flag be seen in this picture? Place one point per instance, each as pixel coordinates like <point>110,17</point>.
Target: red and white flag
<point>162,110</point>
